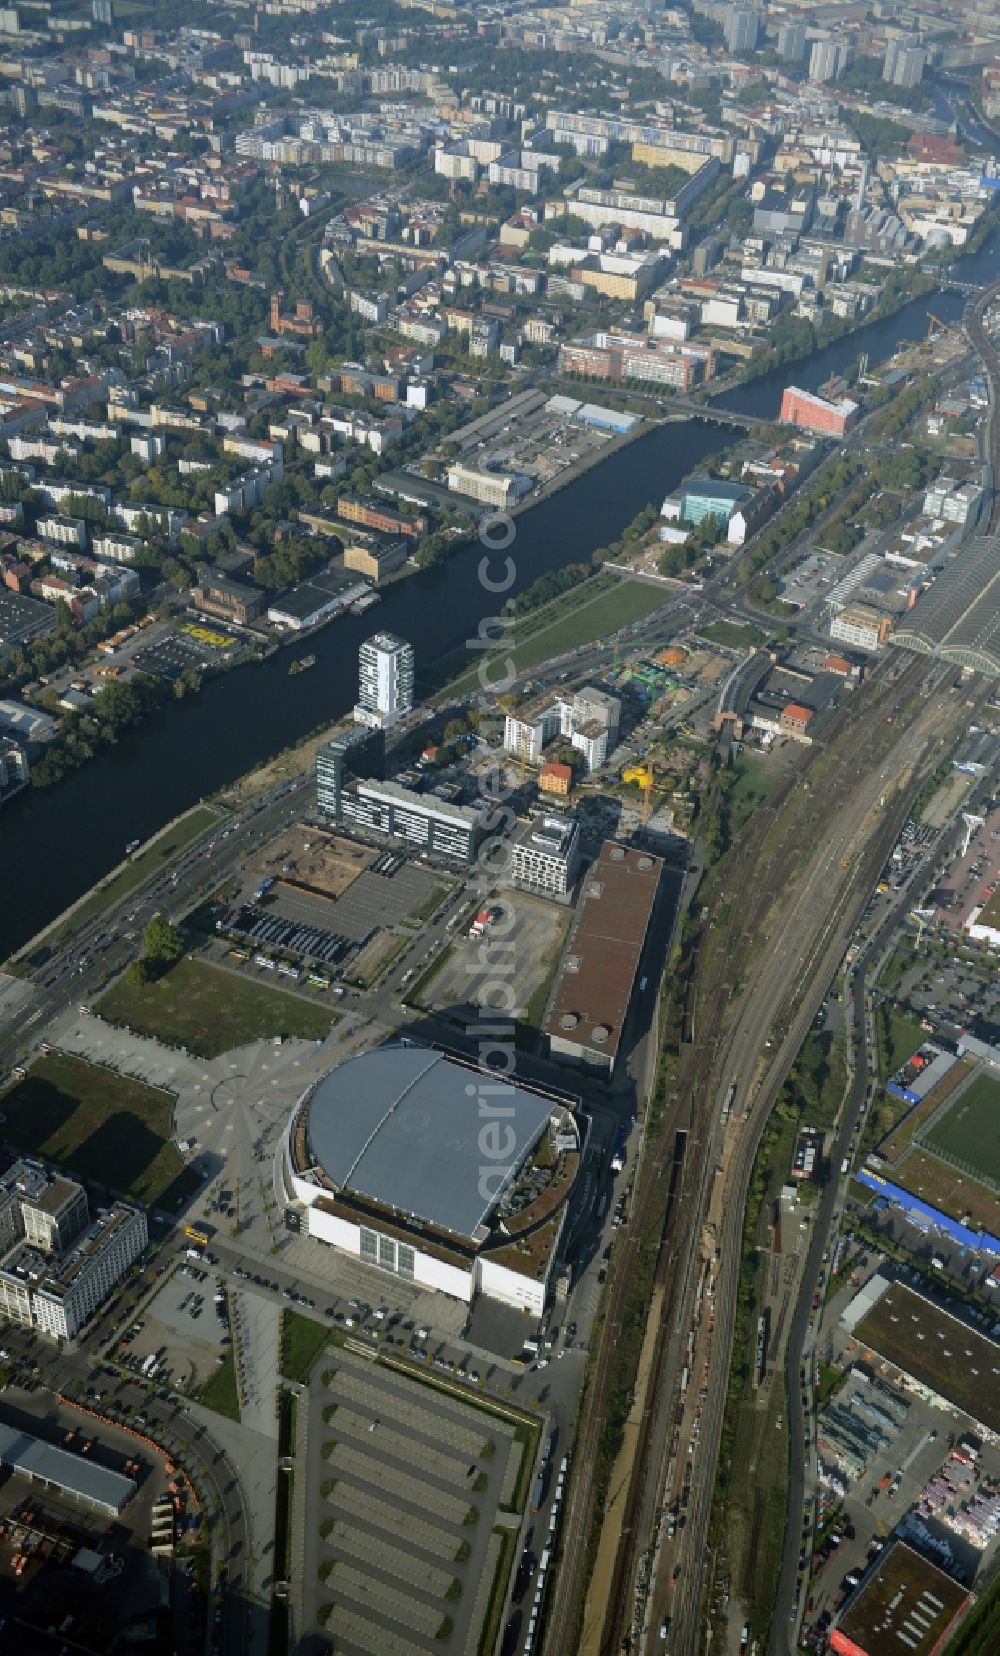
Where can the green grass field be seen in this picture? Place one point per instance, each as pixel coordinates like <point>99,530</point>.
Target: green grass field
<point>139,869</point>
<point>209,1011</point>
<point>99,1125</point>
<point>970,1130</point>
<point>731,633</point>
<point>901,1036</point>
<point>302,1340</point>
<point>589,619</point>
<point>220,1392</point>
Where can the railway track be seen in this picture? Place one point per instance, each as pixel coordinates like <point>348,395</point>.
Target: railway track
<point>738,923</point>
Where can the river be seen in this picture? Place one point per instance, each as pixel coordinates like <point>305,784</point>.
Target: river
<point>58,842</point>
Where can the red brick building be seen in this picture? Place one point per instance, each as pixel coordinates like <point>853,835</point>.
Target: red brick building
<point>812,413</point>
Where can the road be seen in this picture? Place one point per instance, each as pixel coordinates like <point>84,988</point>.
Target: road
<point>982,343</point>
<point>102,945</point>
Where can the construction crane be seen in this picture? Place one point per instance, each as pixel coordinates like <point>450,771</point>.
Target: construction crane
<point>936,326</point>
<point>642,775</point>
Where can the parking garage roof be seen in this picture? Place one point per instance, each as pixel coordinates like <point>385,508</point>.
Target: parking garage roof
<point>406,1127</point>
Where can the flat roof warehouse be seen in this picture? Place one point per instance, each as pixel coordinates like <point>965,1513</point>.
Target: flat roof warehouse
<point>81,1479</point>
<point>591,998</point>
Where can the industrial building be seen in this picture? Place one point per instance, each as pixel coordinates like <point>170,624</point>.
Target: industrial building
<point>598,970</point>
<point>958,618</point>
<point>313,601</point>
<point>545,856</point>
<point>905,1603</point>
<point>58,1265</point>
<point>64,1474</point>
<point>422,1164</point>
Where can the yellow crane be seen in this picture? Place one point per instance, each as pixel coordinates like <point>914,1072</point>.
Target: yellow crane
<point>936,326</point>
<point>642,776</point>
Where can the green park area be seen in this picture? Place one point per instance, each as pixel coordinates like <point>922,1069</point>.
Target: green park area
<point>209,1010</point>
<point>967,1132</point>
<point>220,1392</point>
<point>900,1035</point>
<point>302,1340</point>
<point>99,1125</point>
<point>591,613</point>
<point>731,633</point>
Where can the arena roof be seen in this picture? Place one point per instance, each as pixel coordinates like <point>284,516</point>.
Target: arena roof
<point>958,619</point>
<point>403,1126</point>
<point>74,1476</point>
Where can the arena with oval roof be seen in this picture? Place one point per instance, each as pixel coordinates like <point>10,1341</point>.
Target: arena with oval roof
<point>423,1164</point>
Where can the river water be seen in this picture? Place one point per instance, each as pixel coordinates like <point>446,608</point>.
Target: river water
<point>57,842</point>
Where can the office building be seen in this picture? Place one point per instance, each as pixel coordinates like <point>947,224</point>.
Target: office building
<point>58,1263</point>
<point>425,822</point>
<point>545,856</point>
<point>356,753</point>
<point>960,503</point>
<point>862,626</point>
<point>493,489</point>
<point>385,681</point>
<point>742,26</point>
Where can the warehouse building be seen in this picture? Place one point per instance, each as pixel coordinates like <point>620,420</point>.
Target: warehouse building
<point>597,974</point>
<point>64,1474</point>
<point>904,1604</point>
<point>422,1164</point>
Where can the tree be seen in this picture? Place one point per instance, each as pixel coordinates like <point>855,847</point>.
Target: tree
<point>138,974</point>
<point>162,943</point>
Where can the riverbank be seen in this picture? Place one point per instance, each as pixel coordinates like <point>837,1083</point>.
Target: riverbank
<point>160,848</point>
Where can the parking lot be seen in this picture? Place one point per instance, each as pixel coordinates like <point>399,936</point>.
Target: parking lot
<point>182,1328</point>
<point>408,1484</point>
<point>533,934</point>
<point>175,654</point>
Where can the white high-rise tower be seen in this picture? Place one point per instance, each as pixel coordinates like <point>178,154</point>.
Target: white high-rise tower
<point>385,675</point>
